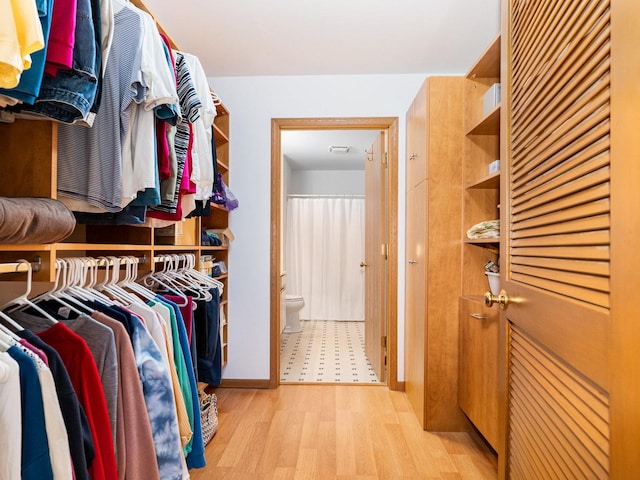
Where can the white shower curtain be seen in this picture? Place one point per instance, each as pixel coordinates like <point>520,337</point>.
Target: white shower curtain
<point>324,246</point>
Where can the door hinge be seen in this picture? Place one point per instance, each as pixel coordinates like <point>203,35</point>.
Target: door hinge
<point>384,341</point>
<point>386,160</point>
<point>384,250</point>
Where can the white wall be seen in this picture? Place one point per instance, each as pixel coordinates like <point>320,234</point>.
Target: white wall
<point>327,182</point>
<point>252,103</point>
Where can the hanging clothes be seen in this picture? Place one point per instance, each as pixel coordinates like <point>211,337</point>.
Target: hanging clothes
<point>79,436</point>
<point>35,458</point>
<point>135,452</point>
<point>207,328</point>
<point>85,379</point>
<point>10,418</point>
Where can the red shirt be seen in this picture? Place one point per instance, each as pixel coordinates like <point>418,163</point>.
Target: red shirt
<point>81,366</point>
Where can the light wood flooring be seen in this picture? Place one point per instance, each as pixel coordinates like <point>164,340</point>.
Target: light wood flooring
<point>334,432</point>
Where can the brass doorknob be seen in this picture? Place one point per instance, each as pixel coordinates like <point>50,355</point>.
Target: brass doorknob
<point>364,264</point>
<point>502,299</point>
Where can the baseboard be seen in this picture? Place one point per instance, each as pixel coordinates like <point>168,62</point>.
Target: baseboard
<point>244,383</point>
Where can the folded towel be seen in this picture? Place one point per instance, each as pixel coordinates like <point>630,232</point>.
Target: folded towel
<point>34,220</point>
<point>486,229</point>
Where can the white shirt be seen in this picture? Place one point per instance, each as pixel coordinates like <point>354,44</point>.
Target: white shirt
<point>10,418</point>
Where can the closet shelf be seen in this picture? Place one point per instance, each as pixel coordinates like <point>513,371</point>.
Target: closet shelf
<point>222,167</point>
<point>488,65</point>
<point>490,181</point>
<point>214,249</point>
<point>175,248</point>
<point>488,125</point>
<point>27,247</point>
<point>483,241</point>
<point>218,207</point>
<point>219,136</point>
<point>77,247</point>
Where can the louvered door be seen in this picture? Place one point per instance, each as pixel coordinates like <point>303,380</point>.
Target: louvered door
<point>555,256</point>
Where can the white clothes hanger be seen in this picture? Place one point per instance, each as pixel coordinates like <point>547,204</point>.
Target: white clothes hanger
<point>90,289</point>
<point>158,278</point>
<point>130,282</point>
<point>181,276</point>
<point>55,293</point>
<point>112,288</point>
<point>23,300</point>
<point>201,277</point>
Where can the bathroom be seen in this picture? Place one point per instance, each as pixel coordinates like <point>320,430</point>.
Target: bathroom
<point>322,325</point>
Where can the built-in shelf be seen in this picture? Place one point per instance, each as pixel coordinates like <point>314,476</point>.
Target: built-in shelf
<point>222,167</point>
<point>490,181</point>
<point>219,136</point>
<point>483,241</point>
<point>214,248</point>
<point>488,125</point>
<point>488,65</point>
<point>217,206</point>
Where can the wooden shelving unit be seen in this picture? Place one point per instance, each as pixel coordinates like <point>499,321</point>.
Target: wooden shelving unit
<point>478,355</point>
<point>29,159</point>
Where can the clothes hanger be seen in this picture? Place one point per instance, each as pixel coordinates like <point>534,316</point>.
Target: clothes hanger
<point>55,293</point>
<point>131,284</point>
<point>201,277</point>
<point>158,278</point>
<point>89,284</point>
<point>181,277</point>
<point>112,288</point>
<point>23,300</point>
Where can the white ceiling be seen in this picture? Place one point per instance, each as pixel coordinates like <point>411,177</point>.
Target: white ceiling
<point>309,150</point>
<point>318,37</point>
<point>330,37</point>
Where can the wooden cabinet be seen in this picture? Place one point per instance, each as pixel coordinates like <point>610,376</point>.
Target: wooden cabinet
<point>434,209</point>
<point>478,395</point>
<point>478,390</point>
<point>29,159</point>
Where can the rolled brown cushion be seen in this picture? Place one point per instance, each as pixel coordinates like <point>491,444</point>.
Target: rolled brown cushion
<point>34,220</point>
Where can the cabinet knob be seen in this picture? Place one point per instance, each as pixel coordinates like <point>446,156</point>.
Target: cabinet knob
<point>501,299</point>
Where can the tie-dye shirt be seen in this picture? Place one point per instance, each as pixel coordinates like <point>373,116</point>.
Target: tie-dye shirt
<point>158,396</point>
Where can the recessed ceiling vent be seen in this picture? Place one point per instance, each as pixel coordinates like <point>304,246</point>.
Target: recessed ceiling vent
<point>338,149</point>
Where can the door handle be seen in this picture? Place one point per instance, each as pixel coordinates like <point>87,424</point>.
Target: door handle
<point>501,299</point>
<point>364,264</point>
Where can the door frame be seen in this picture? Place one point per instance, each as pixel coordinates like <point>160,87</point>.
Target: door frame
<point>390,124</point>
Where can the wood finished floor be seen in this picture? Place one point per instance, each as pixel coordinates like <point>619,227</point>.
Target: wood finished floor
<point>334,432</point>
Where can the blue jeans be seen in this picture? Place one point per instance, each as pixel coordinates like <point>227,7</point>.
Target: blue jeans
<point>71,94</point>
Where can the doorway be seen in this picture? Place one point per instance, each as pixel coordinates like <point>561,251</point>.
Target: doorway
<point>389,126</point>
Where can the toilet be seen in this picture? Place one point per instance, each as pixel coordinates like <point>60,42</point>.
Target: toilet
<point>293,305</point>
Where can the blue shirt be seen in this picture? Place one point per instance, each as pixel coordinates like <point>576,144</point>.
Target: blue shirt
<point>195,459</point>
<point>36,461</point>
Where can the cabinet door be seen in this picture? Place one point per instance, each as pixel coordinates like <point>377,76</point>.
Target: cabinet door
<point>415,354</point>
<point>478,387</point>
<point>417,138</point>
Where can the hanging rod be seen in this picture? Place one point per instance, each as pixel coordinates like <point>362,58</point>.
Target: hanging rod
<point>296,195</point>
<point>19,267</point>
<point>104,261</point>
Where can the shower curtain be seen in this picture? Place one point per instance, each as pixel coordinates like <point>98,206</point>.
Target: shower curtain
<point>324,245</point>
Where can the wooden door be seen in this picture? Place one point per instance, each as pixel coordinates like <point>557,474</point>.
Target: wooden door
<point>375,256</point>
<point>478,392</point>
<point>415,374</point>
<point>555,254</point>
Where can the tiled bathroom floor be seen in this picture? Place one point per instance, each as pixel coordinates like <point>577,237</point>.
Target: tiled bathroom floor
<point>325,351</point>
